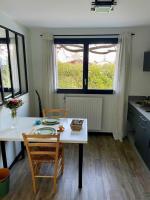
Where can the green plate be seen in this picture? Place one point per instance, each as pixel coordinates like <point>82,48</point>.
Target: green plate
<point>50,121</point>
<point>45,130</point>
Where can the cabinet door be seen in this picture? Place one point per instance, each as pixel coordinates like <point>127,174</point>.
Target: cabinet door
<point>132,116</point>
<point>141,136</point>
<point>147,146</point>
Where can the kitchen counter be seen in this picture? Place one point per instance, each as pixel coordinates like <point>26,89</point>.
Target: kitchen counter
<point>140,109</point>
<point>139,135</point>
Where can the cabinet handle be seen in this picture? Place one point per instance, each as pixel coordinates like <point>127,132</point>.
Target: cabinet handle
<point>142,126</point>
<point>149,144</point>
<point>143,119</point>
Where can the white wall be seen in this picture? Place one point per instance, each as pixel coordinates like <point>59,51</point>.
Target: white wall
<point>12,149</point>
<point>140,81</point>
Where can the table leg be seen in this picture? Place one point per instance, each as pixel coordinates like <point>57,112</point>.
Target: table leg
<point>3,150</point>
<point>22,150</point>
<point>80,164</point>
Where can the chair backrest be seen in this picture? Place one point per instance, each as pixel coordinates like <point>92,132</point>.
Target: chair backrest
<point>54,113</point>
<point>41,146</point>
<point>40,104</point>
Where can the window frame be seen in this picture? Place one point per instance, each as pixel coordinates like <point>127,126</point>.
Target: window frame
<point>2,89</point>
<point>86,42</point>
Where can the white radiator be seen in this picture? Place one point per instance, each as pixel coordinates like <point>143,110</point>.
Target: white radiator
<point>86,107</point>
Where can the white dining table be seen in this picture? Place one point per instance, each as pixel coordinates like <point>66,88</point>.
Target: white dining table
<point>26,124</point>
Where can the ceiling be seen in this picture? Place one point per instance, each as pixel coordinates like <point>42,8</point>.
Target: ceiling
<point>76,13</point>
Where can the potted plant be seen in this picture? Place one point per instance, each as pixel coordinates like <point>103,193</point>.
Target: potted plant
<point>13,105</point>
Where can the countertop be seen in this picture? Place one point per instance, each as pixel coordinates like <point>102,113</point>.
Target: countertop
<point>140,109</point>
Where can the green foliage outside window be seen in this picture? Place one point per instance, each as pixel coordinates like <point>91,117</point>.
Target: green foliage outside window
<point>6,76</point>
<point>70,76</point>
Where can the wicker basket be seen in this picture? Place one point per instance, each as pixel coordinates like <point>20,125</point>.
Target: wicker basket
<point>76,125</point>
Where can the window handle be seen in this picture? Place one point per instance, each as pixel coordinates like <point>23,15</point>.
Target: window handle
<point>85,81</point>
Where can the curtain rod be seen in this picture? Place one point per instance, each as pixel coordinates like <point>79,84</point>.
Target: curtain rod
<point>95,35</point>
<point>133,34</point>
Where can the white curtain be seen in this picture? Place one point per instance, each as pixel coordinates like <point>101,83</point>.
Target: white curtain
<point>48,73</point>
<point>122,84</point>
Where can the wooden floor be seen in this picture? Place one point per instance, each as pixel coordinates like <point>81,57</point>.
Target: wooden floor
<point>112,171</point>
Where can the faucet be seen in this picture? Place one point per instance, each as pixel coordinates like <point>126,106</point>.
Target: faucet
<point>147,98</point>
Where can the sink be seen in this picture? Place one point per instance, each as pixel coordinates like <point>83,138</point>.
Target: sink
<point>146,108</point>
<point>139,102</point>
<point>144,103</point>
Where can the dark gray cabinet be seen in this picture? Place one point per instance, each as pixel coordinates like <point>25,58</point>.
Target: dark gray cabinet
<point>141,127</point>
<point>140,136</point>
<point>133,116</point>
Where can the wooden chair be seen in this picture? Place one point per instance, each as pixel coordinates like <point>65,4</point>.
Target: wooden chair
<point>42,149</point>
<point>54,113</point>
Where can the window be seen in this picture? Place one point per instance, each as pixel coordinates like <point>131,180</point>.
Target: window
<point>13,74</point>
<point>85,65</point>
